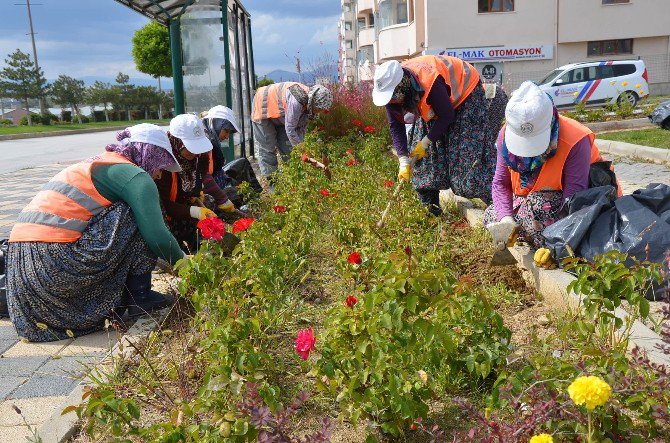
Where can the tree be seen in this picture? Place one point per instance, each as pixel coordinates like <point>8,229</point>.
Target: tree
<point>123,92</point>
<point>151,52</point>
<point>100,94</point>
<point>21,81</point>
<point>145,97</point>
<point>68,91</point>
<point>263,82</point>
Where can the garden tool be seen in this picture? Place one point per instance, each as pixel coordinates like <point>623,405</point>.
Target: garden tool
<point>320,165</point>
<point>236,211</point>
<point>417,154</point>
<point>504,233</point>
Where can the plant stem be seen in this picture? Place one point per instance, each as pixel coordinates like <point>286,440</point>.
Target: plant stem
<point>590,437</point>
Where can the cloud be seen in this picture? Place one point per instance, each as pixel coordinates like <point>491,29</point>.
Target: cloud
<point>326,33</point>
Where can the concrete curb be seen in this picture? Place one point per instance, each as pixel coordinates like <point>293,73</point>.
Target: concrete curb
<point>60,428</point>
<point>655,155</point>
<point>617,125</point>
<point>552,284</point>
<point>57,133</point>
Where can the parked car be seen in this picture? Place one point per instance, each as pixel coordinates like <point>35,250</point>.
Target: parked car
<point>661,115</point>
<point>597,83</point>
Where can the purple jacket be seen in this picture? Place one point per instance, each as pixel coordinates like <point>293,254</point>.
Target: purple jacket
<point>439,99</point>
<point>575,176</point>
<point>295,119</point>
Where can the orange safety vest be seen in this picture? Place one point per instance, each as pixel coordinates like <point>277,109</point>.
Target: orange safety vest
<point>461,77</point>
<point>61,210</point>
<point>570,132</point>
<point>268,98</point>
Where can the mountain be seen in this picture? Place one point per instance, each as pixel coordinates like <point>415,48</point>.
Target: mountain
<point>280,75</point>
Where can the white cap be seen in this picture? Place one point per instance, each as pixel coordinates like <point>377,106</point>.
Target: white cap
<point>224,113</point>
<point>154,135</point>
<point>190,130</point>
<point>387,77</point>
<point>528,118</point>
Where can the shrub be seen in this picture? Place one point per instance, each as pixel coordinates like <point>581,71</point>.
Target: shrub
<point>35,118</point>
<point>6,122</point>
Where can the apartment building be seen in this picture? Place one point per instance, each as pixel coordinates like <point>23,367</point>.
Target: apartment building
<point>510,41</point>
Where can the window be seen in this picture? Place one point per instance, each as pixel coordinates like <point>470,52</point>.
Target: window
<point>349,44</point>
<point>626,69</point>
<point>496,6</point>
<point>365,53</point>
<point>361,23</point>
<point>610,47</point>
<point>349,62</point>
<point>393,12</point>
<point>347,7</point>
<point>613,2</point>
<point>371,19</point>
<point>577,75</point>
<point>347,26</point>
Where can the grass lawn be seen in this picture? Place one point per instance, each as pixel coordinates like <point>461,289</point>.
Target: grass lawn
<point>72,126</point>
<point>657,137</point>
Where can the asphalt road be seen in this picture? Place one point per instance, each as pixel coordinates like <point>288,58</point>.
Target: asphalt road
<point>31,152</point>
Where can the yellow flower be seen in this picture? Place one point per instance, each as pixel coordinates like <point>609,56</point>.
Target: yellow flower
<point>576,93</point>
<point>613,82</point>
<point>589,391</point>
<point>625,83</point>
<point>638,86</point>
<point>542,438</point>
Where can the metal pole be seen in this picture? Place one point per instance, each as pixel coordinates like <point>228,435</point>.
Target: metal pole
<point>250,80</point>
<point>177,73</point>
<point>229,153</point>
<point>251,53</point>
<point>243,151</point>
<point>37,66</point>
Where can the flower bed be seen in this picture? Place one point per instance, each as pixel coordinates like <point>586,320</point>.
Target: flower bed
<point>401,331</point>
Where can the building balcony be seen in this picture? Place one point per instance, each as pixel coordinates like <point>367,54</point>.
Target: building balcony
<point>366,36</point>
<point>397,41</point>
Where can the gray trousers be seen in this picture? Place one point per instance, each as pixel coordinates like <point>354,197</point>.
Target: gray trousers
<point>270,138</point>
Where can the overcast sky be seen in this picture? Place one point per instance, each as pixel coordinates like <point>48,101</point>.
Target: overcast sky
<point>93,37</point>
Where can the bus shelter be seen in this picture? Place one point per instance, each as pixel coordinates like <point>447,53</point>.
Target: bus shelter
<point>212,59</point>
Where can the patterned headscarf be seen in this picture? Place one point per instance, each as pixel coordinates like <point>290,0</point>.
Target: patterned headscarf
<point>149,157</point>
<point>191,177</point>
<point>319,97</point>
<point>528,167</point>
<point>409,90</point>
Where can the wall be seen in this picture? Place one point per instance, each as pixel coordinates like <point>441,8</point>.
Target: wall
<point>584,20</point>
<point>399,41</point>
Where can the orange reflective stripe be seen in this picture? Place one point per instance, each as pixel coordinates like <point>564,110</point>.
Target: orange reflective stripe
<point>62,209</point>
<point>266,103</point>
<point>461,77</point>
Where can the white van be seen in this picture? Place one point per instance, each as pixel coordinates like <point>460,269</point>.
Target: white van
<point>597,83</point>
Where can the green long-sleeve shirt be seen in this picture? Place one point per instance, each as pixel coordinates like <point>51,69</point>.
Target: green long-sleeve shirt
<point>131,184</point>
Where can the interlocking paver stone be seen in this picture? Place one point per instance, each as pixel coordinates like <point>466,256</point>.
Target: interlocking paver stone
<point>8,384</point>
<point>45,386</point>
<point>21,366</point>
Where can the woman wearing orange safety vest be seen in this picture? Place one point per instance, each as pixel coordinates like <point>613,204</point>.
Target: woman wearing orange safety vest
<point>279,118</point>
<point>83,249</point>
<point>191,194</point>
<point>543,160</point>
<point>446,94</point>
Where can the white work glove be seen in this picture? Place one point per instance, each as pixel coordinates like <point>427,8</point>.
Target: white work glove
<point>504,232</point>
<point>404,168</point>
<point>199,213</point>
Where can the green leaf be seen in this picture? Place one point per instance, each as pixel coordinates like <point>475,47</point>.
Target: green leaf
<point>412,301</point>
<point>644,307</point>
<point>385,320</point>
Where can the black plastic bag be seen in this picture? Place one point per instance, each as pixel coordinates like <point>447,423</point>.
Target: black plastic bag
<point>661,115</point>
<point>601,174</point>
<point>598,222</point>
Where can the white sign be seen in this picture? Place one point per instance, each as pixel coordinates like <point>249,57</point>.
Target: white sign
<point>500,53</point>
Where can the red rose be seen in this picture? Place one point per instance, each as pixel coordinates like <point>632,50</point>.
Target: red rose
<point>355,258</point>
<point>211,228</point>
<point>321,128</point>
<point>279,209</point>
<point>408,251</point>
<point>388,183</point>
<point>325,193</point>
<point>369,129</point>
<point>304,343</point>
<point>350,151</point>
<point>353,162</point>
<point>357,123</point>
<point>351,301</point>
<point>242,224</point>
<point>305,157</point>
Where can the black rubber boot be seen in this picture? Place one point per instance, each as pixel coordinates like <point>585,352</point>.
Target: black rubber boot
<point>141,299</point>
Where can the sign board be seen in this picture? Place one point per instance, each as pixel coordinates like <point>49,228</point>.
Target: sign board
<point>490,72</point>
<point>499,53</point>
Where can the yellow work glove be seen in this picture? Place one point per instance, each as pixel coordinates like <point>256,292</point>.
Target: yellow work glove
<point>228,206</point>
<point>419,150</point>
<point>543,259</point>
<point>200,213</point>
<point>404,168</point>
